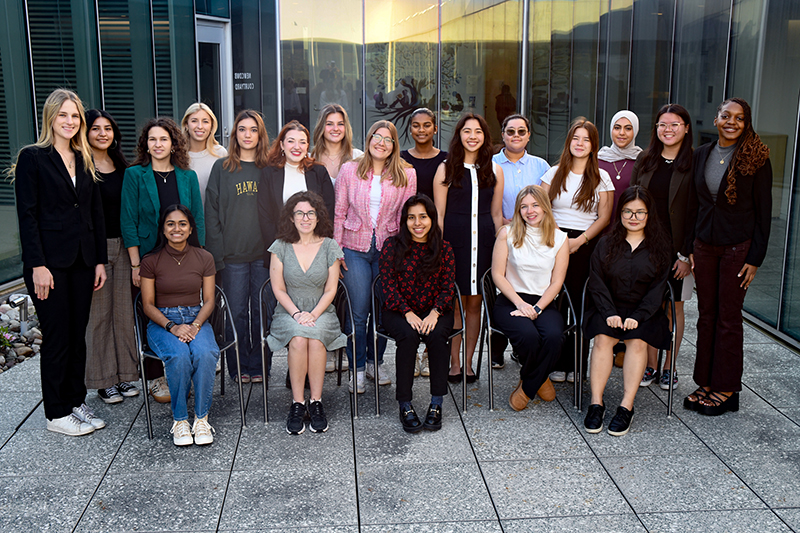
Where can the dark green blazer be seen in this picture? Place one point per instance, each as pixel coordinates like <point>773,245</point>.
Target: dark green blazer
<point>141,206</point>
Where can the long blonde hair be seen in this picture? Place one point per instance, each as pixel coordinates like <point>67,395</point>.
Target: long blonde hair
<point>394,163</point>
<point>547,225</point>
<point>320,148</point>
<point>79,141</point>
<point>211,142</point>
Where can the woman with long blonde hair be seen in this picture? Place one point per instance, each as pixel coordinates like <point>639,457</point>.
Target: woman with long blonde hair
<point>63,238</point>
<point>199,125</point>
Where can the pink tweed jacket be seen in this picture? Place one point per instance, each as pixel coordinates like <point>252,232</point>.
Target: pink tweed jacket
<point>352,226</point>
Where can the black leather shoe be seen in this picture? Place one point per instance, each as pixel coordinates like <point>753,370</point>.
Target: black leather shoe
<point>471,378</point>
<point>455,378</point>
<point>410,420</point>
<point>593,423</point>
<point>621,422</point>
<point>433,420</point>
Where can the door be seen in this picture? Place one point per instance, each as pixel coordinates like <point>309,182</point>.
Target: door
<point>215,72</point>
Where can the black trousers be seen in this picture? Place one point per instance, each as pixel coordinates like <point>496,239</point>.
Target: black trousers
<point>63,318</point>
<point>407,340</point>
<point>537,342</point>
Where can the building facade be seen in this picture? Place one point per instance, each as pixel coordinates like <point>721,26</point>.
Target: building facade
<point>552,60</point>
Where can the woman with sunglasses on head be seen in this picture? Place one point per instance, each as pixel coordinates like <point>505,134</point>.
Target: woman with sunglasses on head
<point>581,195</point>
<point>418,274</point>
<point>333,139</point>
<point>304,273</point>
<point>468,192</point>
<point>231,213</point>
<point>111,361</point>
<point>627,279</point>
<point>370,193</point>
<point>199,125</point>
<point>63,239</point>
<point>665,169</point>
<point>730,210</point>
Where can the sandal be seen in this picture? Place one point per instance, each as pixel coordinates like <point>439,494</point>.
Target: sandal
<point>692,405</point>
<point>720,403</point>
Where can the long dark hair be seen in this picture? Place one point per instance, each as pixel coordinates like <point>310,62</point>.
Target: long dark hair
<point>402,241</point>
<point>585,198</point>
<point>655,237</point>
<point>287,231</point>
<point>652,153</point>
<point>454,166</point>
<point>179,156</point>
<point>161,241</point>
<point>115,151</point>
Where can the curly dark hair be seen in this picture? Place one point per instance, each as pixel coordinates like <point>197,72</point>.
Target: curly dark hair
<point>179,156</point>
<point>655,236</point>
<point>161,241</point>
<point>432,262</point>
<point>115,151</point>
<point>287,231</point>
<point>454,166</point>
<point>750,153</point>
<point>651,154</point>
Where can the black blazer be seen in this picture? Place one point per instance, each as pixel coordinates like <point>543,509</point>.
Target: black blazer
<point>55,218</point>
<point>270,199</point>
<point>722,224</point>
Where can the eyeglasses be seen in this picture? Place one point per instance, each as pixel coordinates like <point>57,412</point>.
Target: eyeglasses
<point>310,215</point>
<point>664,126</point>
<point>378,138</point>
<point>522,132</point>
<point>628,214</point>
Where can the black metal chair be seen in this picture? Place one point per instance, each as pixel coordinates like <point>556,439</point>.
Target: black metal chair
<point>490,298</point>
<point>378,331</point>
<point>218,320</point>
<point>669,297</point>
<point>344,312</point>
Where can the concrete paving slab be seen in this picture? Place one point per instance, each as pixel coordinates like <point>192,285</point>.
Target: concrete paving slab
<point>165,501</point>
<point>728,521</point>
<point>769,359</point>
<point>774,476</point>
<point>23,377</point>
<point>425,493</point>
<point>472,526</point>
<point>779,389</point>
<point>541,488</point>
<point>679,483</point>
<point>315,529</point>
<point>619,523</point>
<point>16,406</point>
<point>790,516</point>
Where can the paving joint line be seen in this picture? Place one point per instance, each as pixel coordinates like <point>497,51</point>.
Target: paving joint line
<point>233,459</point>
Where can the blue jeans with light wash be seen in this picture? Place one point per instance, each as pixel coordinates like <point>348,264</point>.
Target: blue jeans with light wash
<point>242,284</point>
<point>362,269</point>
<point>186,362</point>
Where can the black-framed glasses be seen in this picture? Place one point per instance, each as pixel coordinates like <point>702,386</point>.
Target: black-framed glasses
<point>310,215</point>
<point>378,138</point>
<point>522,132</point>
<point>628,214</point>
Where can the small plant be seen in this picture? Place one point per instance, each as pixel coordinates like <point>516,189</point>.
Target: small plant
<point>6,338</point>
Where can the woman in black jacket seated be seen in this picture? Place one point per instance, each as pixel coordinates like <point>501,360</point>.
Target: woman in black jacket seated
<point>417,271</point>
<point>627,279</point>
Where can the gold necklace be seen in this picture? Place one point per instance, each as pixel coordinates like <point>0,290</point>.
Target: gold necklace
<point>181,259</point>
<point>162,176</point>
<point>619,171</point>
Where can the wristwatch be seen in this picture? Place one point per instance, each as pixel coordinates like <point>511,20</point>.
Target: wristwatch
<point>169,325</point>
<point>537,309</point>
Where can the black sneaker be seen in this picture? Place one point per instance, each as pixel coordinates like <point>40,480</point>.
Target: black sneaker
<point>621,422</point>
<point>127,390</point>
<point>295,424</point>
<point>319,423</point>
<point>594,418</point>
<point>433,420</point>
<point>110,395</point>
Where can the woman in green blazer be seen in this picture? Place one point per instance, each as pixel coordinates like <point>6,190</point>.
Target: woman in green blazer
<point>159,177</point>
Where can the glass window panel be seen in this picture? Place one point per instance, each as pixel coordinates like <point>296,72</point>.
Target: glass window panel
<point>247,58</point>
<point>215,8</point>
<point>560,77</point>
<point>790,319</point>
<point>163,58</point>
<point>402,49</point>
<point>539,76</point>
<point>615,57</point>
<point>585,36</point>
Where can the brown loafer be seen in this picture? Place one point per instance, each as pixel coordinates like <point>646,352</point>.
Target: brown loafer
<point>518,399</point>
<point>547,392</point>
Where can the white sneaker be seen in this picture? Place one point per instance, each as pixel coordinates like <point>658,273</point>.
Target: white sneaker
<point>416,365</point>
<point>85,414</point>
<point>345,363</point>
<point>181,433</point>
<point>203,432</point>
<point>159,390</point>
<point>330,362</point>
<point>360,383</point>
<point>69,425</point>
<point>558,376</point>
<point>571,377</point>
<point>383,378</point>
<point>424,370</point>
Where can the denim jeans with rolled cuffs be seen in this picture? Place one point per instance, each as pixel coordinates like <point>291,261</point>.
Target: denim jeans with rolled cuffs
<point>242,283</point>
<point>362,269</point>
<point>186,362</point>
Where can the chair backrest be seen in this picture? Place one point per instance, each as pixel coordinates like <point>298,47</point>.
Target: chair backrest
<point>140,325</point>
<point>217,318</point>
<point>489,291</point>
<point>344,310</point>
<point>267,305</point>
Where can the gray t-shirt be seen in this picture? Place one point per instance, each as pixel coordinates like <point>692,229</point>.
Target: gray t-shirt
<point>715,170</point>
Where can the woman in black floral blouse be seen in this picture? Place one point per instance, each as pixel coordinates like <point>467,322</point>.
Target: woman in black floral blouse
<point>418,273</point>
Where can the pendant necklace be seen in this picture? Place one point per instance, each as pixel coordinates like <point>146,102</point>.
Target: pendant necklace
<point>181,259</point>
<point>162,176</point>
<point>619,171</point>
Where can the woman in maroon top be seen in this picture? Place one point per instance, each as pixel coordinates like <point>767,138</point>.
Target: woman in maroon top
<point>417,270</point>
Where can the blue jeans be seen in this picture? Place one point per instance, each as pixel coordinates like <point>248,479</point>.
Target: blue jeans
<point>362,269</point>
<point>242,283</point>
<point>184,363</point>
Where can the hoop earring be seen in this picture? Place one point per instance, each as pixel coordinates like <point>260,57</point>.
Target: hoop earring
<point>114,145</point>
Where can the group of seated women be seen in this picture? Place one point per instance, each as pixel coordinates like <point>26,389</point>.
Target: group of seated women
<point>424,220</point>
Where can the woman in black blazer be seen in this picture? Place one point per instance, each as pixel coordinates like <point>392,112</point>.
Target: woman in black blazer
<point>63,237</point>
<point>289,170</point>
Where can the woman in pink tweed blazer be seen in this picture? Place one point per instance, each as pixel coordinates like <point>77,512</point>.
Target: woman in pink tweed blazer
<point>370,193</point>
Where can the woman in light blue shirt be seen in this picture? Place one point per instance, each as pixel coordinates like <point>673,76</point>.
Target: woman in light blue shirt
<point>520,168</point>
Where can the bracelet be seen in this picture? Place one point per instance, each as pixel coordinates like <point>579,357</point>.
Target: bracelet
<point>683,258</point>
<point>585,237</point>
<point>196,325</point>
<point>296,312</point>
<point>134,267</point>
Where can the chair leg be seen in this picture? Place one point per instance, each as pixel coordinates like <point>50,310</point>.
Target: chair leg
<point>239,382</point>
<point>480,349</point>
<point>375,366</point>
<point>578,381</point>
<point>146,393</point>
<point>670,393</point>
<point>489,361</point>
<point>464,368</point>
<point>266,380</point>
